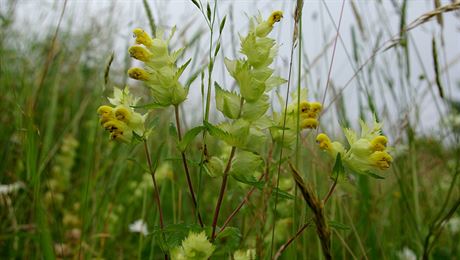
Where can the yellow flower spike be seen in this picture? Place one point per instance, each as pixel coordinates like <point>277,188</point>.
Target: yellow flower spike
<point>123,114</point>
<point>379,143</point>
<point>119,131</point>
<point>142,37</point>
<point>304,106</point>
<point>324,142</point>
<point>381,160</point>
<point>105,113</point>
<point>139,74</point>
<point>275,17</point>
<point>140,53</point>
<point>316,107</point>
<point>311,123</point>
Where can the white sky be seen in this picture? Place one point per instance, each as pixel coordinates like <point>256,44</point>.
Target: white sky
<point>36,15</point>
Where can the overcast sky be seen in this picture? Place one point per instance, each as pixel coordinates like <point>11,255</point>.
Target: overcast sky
<point>318,30</point>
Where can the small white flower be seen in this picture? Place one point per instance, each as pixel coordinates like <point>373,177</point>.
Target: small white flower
<point>407,254</point>
<point>139,226</point>
<point>6,189</point>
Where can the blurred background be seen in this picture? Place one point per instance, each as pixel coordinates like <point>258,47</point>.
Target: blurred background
<point>67,191</point>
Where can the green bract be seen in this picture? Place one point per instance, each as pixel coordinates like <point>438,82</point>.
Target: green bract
<point>160,72</point>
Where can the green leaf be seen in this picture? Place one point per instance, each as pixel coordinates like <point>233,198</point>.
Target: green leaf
<point>245,165</point>
<point>189,136</point>
<point>208,11</point>
<point>174,234</point>
<point>153,105</point>
<point>227,102</point>
<point>375,175</point>
<point>182,68</point>
<point>196,3</point>
<point>217,49</point>
<point>338,172</point>
<point>227,241</point>
<point>338,226</point>
<point>282,194</point>
<point>256,140</point>
<point>254,110</point>
<point>222,24</point>
<point>220,134</point>
<point>231,66</point>
<point>249,180</point>
<point>273,82</point>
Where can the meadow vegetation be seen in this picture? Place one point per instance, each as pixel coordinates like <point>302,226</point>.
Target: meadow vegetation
<point>95,165</point>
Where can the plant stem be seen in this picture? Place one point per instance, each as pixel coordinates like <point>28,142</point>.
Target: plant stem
<point>297,234</point>
<point>187,173</point>
<point>331,190</point>
<point>155,187</point>
<point>248,195</point>
<point>222,192</point>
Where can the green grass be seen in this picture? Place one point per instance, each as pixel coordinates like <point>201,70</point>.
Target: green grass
<point>81,191</point>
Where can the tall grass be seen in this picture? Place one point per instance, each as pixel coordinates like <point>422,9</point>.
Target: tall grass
<point>79,192</point>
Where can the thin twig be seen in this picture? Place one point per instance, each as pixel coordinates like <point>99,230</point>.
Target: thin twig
<point>187,173</point>
<point>221,193</point>
<point>155,187</point>
<point>297,234</point>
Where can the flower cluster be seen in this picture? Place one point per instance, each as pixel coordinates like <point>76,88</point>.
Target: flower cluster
<point>253,74</point>
<point>160,72</point>
<point>297,116</point>
<point>309,112</point>
<point>366,154</point>
<point>121,121</point>
<point>194,247</point>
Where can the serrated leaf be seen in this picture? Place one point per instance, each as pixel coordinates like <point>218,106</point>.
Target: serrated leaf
<point>231,66</point>
<point>220,134</point>
<point>227,102</point>
<point>254,110</point>
<point>173,234</point>
<point>273,82</point>
<point>256,140</point>
<point>182,68</point>
<point>245,165</point>
<point>189,136</point>
<point>338,226</point>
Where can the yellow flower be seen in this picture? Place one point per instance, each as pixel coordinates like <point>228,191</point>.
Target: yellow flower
<point>366,154</point>
<point>142,37</point>
<point>139,74</point>
<point>140,53</point>
<point>119,131</point>
<point>311,123</point>
<point>265,27</point>
<point>121,121</point>
<point>275,17</point>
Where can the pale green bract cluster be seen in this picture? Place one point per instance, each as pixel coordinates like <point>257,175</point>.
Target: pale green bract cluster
<point>367,152</point>
<point>160,73</point>
<point>121,120</point>
<point>247,108</point>
<point>195,247</point>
